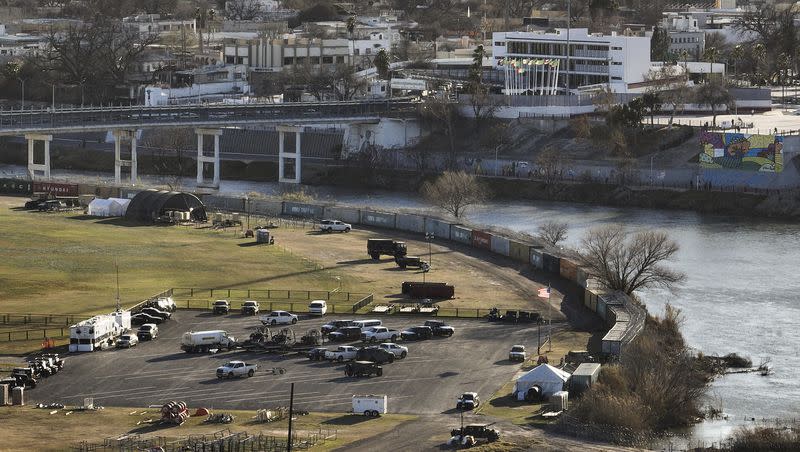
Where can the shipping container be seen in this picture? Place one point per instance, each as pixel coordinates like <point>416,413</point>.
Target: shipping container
<point>582,277</point>
<point>536,257</point>
<point>16,187</point>
<point>56,189</point>
<point>612,341</point>
<point>590,300</point>
<point>601,308</point>
<point>461,234</point>
<point>568,270</point>
<point>432,290</point>
<point>520,252</point>
<point>380,219</point>
<point>296,209</point>
<point>551,263</point>
<point>617,314</point>
<point>482,239</point>
<point>440,229</point>
<point>499,245</point>
<point>264,207</point>
<point>584,377</point>
<point>410,223</point>
<point>346,214</point>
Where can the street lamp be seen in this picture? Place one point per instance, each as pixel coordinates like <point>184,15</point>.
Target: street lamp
<point>429,236</point>
<point>22,80</point>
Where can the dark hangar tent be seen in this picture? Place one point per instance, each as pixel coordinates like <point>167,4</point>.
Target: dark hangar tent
<point>148,205</point>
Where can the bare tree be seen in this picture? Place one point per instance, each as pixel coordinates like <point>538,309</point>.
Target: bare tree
<point>169,147</point>
<point>553,232</point>
<point>346,84</point>
<point>454,192</point>
<point>671,86</point>
<point>714,93</point>
<point>550,164</point>
<point>440,114</point>
<point>242,9</point>
<point>629,262</point>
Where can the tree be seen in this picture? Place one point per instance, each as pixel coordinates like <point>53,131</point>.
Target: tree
<point>454,192</point>
<point>774,29</point>
<point>549,163</point>
<point>713,93</point>
<point>346,84</point>
<point>166,143</point>
<point>651,103</point>
<point>628,262</point>
<point>440,116</point>
<point>553,232</point>
<point>659,44</point>
<point>382,64</point>
<point>476,69</point>
<point>670,84</point>
<point>243,9</point>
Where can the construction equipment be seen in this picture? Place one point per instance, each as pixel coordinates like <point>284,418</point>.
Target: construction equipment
<point>174,413</point>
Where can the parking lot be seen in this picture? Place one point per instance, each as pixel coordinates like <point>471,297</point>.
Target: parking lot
<point>435,372</point>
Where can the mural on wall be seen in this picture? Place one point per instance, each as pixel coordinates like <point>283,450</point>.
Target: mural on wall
<point>741,151</point>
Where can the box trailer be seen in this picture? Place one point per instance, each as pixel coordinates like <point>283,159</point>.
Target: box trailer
<point>370,405</point>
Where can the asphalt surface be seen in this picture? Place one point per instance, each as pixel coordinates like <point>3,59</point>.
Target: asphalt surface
<point>428,381</point>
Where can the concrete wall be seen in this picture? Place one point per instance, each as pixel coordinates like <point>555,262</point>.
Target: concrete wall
<point>380,219</point>
<point>461,234</point>
<point>389,133</point>
<point>482,240</point>
<point>499,245</point>
<point>264,207</point>
<point>519,251</point>
<point>296,209</point>
<point>536,258</point>
<point>440,229</point>
<point>346,214</point>
<point>410,223</point>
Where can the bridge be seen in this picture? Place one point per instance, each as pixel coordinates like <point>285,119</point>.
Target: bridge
<point>208,120</point>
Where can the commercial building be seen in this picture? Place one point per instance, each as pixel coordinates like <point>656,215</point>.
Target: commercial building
<point>536,62</point>
<point>684,36</point>
<point>155,24</point>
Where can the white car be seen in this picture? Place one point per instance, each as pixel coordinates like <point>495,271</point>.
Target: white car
<point>517,353</point>
<point>127,341</point>
<point>334,225</point>
<point>278,318</point>
<point>318,307</point>
<point>398,350</point>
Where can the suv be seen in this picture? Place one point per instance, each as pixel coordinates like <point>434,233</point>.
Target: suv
<point>412,261</point>
<point>127,341</point>
<point>347,333</point>
<point>440,328</point>
<point>375,354</point>
<point>221,307</point>
<point>362,369</point>
<point>334,225</point>
<point>468,401</point>
<point>148,331</point>
<point>517,353</point>
<point>163,315</point>
<point>378,247</point>
<point>316,354</point>
<point>397,350</point>
<point>334,325</point>
<point>278,317</point>
<point>250,307</point>
<point>417,333</point>
<point>477,431</point>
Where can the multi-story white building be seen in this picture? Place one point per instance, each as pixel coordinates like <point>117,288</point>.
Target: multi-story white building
<point>155,24</point>
<point>684,35</point>
<point>536,62</point>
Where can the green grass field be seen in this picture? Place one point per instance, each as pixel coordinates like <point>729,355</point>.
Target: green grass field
<point>64,263</point>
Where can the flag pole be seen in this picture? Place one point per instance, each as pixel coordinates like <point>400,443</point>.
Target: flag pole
<point>549,321</point>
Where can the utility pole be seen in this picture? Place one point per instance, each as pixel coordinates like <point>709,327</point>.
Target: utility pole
<point>118,303</point>
<point>568,71</point>
<point>291,412</point>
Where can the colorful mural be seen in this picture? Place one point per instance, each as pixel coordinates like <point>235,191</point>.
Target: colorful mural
<point>741,151</point>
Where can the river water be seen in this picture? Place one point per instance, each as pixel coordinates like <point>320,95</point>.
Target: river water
<point>741,294</point>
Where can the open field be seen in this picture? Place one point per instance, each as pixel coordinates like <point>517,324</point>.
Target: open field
<point>21,426</point>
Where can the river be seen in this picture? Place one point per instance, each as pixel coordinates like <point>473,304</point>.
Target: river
<point>741,294</point>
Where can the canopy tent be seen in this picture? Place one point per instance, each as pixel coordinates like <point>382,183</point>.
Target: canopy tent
<point>545,376</point>
<point>111,207</point>
<point>148,205</point>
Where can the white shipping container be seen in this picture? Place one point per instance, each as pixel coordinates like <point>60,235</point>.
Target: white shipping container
<point>369,404</point>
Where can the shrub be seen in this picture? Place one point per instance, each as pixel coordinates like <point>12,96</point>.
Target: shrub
<point>764,439</point>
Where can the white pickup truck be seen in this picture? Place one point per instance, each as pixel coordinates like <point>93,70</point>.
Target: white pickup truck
<point>379,334</point>
<point>342,353</point>
<point>236,369</point>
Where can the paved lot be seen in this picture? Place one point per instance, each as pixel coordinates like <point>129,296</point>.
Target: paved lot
<point>427,381</point>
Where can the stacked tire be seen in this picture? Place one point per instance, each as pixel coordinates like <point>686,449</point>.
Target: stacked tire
<point>174,413</point>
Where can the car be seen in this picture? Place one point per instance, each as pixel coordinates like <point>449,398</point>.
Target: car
<point>316,354</point>
<point>148,331</point>
<point>142,318</point>
<point>334,325</point>
<point>334,225</point>
<point>417,333</point>
<point>439,328</point>
<point>250,307</point>
<point>157,313</point>
<point>517,353</point>
<point>278,318</point>
<point>362,369</point>
<point>398,350</point>
<point>348,333</point>
<point>468,401</point>
<point>342,353</point>
<point>379,333</point>
<point>375,354</point>
<point>234,369</point>
<point>127,341</point>
<point>221,307</point>
<point>318,307</point>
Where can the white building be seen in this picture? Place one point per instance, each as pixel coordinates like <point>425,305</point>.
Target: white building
<point>20,44</point>
<point>208,83</point>
<point>155,24</point>
<point>536,62</point>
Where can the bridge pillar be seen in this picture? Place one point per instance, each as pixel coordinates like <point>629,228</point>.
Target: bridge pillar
<point>33,167</point>
<point>203,158</point>
<point>121,136</point>
<point>289,157</point>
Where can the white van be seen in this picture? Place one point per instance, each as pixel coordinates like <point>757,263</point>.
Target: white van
<point>367,323</point>
<point>318,307</point>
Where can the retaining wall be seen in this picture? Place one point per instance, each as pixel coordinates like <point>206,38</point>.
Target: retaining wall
<point>346,214</point>
<point>296,209</point>
<point>379,219</point>
<point>499,245</point>
<point>462,234</point>
<point>440,229</point>
<point>410,223</point>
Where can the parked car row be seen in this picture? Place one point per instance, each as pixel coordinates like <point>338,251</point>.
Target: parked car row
<point>37,368</point>
<point>374,331</point>
<point>252,307</point>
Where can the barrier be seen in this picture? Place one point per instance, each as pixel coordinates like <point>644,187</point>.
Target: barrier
<point>482,239</point>
<point>440,229</point>
<point>348,215</point>
<point>412,223</point>
<point>296,209</point>
<point>499,245</point>
<point>56,188</point>
<point>128,193</point>
<point>519,251</point>
<point>380,219</point>
<point>568,270</point>
<point>536,257</point>
<point>16,187</point>
<point>582,277</point>
<point>461,234</point>
<point>551,263</point>
<point>224,203</point>
<point>266,208</point>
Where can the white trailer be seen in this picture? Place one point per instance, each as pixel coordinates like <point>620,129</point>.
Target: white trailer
<point>99,332</point>
<point>370,405</point>
<point>203,341</point>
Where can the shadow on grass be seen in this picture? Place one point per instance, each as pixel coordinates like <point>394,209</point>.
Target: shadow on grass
<point>249,244</point>
<point>347,419</point>
<point>358,262</point>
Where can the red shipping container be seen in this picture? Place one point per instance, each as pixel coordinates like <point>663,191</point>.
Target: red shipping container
<point>482,239</point>
<point>55,188</point>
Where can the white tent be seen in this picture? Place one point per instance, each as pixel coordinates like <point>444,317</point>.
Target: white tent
<point>111,207</point>
<point>545,376</point>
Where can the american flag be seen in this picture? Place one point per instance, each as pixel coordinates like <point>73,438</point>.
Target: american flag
<point>544,292</point>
